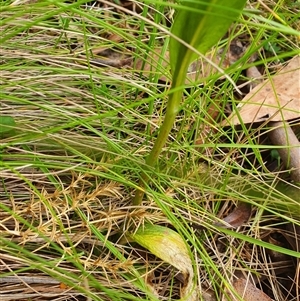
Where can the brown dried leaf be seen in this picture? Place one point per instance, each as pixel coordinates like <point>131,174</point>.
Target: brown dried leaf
<point>275,99</point>
<point>208,295</point>
<point>199,69</point>
<point>206,129</point>
<point>253,73</point>
<point>237,217</point>
<point>155,63</point>
<point>249,292</point>
<point>110,58</point>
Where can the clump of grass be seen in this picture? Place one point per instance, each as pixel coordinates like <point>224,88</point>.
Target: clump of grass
<point>69,172</point>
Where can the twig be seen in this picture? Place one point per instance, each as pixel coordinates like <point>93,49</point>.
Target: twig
<point>282,134</point>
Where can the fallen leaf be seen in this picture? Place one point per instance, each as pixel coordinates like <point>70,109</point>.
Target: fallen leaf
<point>208,295</point>
<point>156,62</point>
<point>169,246</point>
<point>206,130</point>
<point>110,58</point>
<point>237,217</point>
<point>256,78</point>
<point>198,69</point>
<point>276,99</point>
<point>248,292</point>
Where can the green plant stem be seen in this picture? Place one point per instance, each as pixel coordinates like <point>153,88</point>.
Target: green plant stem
<point>172,109</point>
<point>204,31</point>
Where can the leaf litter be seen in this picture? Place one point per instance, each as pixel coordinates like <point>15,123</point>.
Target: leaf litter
<point>277,101</point>
<point>110,218</point>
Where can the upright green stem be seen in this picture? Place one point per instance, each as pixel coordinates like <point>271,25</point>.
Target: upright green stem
<point>206,23</point>
<point>172,109</point>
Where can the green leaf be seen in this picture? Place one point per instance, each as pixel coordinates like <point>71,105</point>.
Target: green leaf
<point>7,125</point>
<point>200,24</point>
<point>169,246</point>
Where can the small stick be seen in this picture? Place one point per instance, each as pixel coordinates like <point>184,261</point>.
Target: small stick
<point>29,280</point>
<point>282,134</point>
